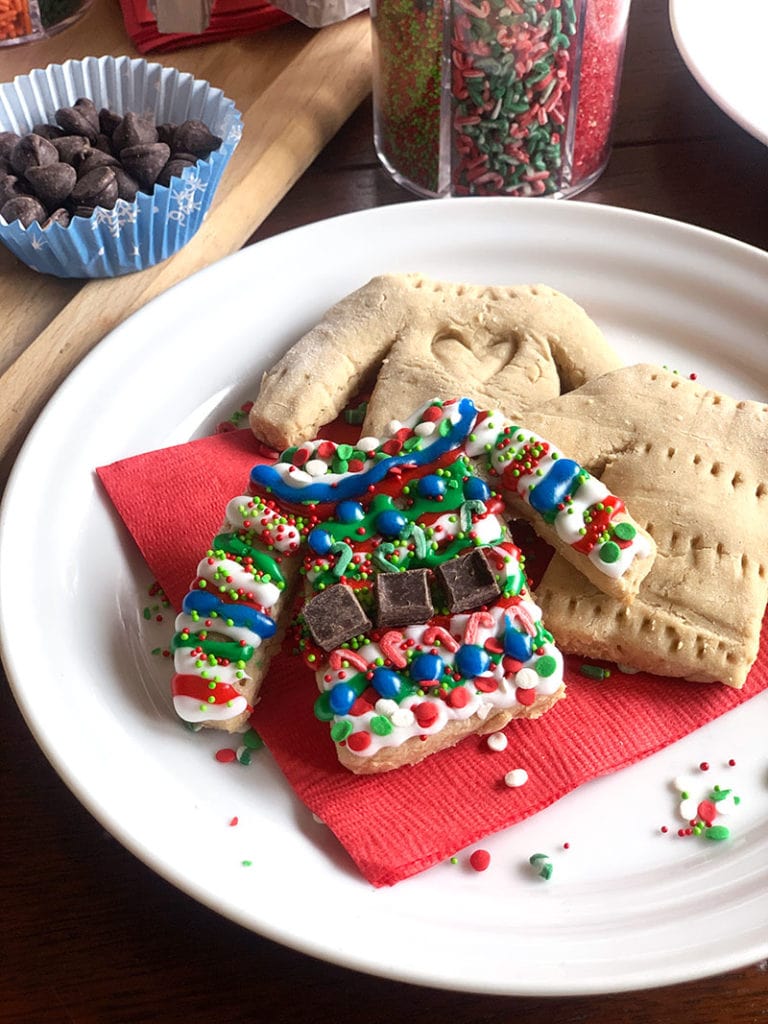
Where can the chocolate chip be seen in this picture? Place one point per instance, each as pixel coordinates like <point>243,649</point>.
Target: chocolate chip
<point>134,130</point>
<point>97,188</point>
<point>403,598</point>
<point>144,163</point>
<point>25,209</point>
<point>165,133</point>
<point>33,151</point>
<point>173,169</point>
<point>7,141</point>
<point>108,121</point>
<point>75,122</point>
<point>60,216</point>
<point>72,148</point>
<point>11,188</point>
<point>126,186</point>
<point>93,158</point>
<point>468,581</point>
<point>87,108</point>
<point>48,131</point>
<point>52,184</point>
<point>335,615</point>
<point>195,137</point>
<point>103,143</point>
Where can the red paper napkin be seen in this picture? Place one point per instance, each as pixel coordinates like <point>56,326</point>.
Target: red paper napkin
<point>400,823</point>
<point>229,18</point>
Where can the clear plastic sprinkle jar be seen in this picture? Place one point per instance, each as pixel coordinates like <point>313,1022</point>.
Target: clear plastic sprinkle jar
<point>24,21</point>
<point>496,97</point>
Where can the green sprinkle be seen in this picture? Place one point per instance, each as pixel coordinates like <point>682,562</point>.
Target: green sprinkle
<point>594,671</point>
<point>545,666</point>
<point>717,832</point>
<point>624,531</point>
<point>610,552</point>
<point>247,863</point>
<point>381,725</point>
<point>252,740</point>
<point>340,730</point>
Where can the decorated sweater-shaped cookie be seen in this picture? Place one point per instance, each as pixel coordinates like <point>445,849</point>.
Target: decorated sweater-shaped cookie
<point>417,619</point>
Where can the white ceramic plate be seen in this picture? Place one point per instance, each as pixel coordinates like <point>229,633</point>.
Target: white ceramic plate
<point>724,48</point>
<point>627,907</point>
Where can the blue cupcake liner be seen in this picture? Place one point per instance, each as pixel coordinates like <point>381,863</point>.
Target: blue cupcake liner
<point>132,236</point>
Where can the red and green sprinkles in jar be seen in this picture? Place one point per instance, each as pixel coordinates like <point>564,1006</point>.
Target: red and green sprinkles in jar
<point>496,97</point>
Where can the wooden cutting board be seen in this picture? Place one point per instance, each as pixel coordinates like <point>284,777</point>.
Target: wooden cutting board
<point>294,86</point>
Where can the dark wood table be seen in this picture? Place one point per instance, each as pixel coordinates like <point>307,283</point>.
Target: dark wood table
<point>90,935</point>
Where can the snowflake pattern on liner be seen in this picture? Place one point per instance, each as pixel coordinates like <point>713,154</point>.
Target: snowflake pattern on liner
<point>185,197</point>
<point>115,219</point>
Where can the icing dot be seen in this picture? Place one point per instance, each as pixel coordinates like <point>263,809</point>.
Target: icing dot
<point>342,697</point>
<point>472,660</point>
<point>517,777</point>
<point>425,667</point>
<point>349,512</point>
<point>387,683</point>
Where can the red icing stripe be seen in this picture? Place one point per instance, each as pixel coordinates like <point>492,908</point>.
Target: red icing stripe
<point>199,689</point>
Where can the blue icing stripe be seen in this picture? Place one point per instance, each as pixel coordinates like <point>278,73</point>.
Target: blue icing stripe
<point>353,485</point>
<point>555,487</point>
<point>241,615</point>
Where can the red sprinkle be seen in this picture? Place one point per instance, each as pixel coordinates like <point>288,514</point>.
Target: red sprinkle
<point>704,766</point>
<point>425,714</point>
<point>526,697</point>
<point>358,741</point>
<point>226,755</point>
<point>480,859</point>
<point>234,821</point>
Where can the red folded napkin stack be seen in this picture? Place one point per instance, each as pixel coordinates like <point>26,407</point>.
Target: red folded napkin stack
<point>397,824</point>
<point>229,18</point>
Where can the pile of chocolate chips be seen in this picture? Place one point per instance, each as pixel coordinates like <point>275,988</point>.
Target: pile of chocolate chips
<point>92,158</point>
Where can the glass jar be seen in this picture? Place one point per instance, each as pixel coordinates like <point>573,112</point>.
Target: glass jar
<point>496,97</point>
<point>24,21</point>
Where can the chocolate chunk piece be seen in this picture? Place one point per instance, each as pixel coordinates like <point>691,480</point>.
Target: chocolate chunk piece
<point>144,163</point>
<point>7,141</point>
<point>133,130</point>
<point>25,209</point>
<point>52,183</point>
<point>468,581</point>
<point>75,122</point>
<point>72,148</point>
<point>97,188</point>
<point>195,137</point>
<point>173,169</point>
<point>335,615</point>
<point>60,216</point>
<point>403,598</point>
<point>32,151</point>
